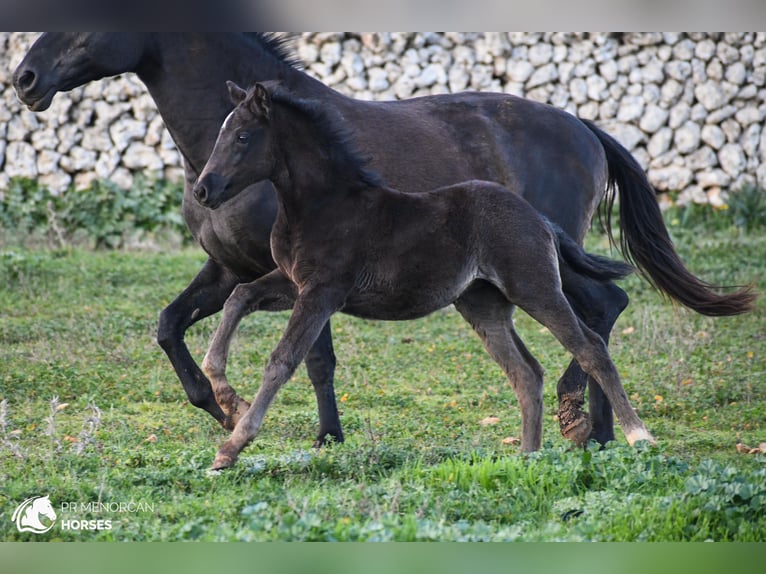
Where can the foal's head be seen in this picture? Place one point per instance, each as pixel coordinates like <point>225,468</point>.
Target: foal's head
<point>242,154</point>
<point>272,129</point>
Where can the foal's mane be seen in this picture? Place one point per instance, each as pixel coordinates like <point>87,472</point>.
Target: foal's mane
<point>331,134</point>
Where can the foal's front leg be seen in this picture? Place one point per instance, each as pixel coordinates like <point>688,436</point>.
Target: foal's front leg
<point>312,310</point>
<point>273,292</point>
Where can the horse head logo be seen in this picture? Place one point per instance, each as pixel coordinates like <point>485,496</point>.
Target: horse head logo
<point>29,513</point>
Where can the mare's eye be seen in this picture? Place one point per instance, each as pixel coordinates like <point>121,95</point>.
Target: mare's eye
<point>243,137</point>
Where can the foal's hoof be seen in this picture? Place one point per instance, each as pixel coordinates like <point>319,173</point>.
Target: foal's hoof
<point>223,461</point>
<point>574,423</point>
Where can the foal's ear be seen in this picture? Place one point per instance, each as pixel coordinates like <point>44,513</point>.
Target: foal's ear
<point>261,101</point>
<point>236,94</point>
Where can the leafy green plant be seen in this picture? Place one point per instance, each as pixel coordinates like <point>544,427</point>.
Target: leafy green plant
<point>104,215</point>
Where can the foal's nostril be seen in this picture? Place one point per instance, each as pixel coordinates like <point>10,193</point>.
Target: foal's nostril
<point>200,193</point>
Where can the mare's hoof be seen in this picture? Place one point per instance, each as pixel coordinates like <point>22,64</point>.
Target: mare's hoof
<point>574,423</point>
<point>323,439</point>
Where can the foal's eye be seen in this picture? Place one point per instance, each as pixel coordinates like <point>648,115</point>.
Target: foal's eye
<point>243,137</point>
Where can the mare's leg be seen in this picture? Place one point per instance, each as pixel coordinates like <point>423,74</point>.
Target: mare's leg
<point>311,313</point>
<point>598,305</point>
<point>204,296</point>
<point>274,292</point>
<point>551,308</point>
<point>491,316</point>
<point>320,365</point>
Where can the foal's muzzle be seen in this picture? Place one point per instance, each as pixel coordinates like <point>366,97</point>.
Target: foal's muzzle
<point>209,189</point>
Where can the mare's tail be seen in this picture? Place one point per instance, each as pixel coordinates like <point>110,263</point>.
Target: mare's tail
<point>593,266</point>
<point>646,243</point>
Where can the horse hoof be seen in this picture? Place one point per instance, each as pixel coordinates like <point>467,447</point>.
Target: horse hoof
<point>638,435</point>
<point>578,432</point>
<point>223,461</point>
<point>574,423</point>
<point>323,439</point>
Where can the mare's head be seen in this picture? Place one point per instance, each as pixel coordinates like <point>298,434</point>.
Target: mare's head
<point>61,61</point>
<point>242,154</point>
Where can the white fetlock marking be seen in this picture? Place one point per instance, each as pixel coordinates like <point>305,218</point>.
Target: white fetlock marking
<point>638,434</point>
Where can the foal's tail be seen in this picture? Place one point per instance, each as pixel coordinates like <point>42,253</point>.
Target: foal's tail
<point>593,266</point>
<point>645,241</point>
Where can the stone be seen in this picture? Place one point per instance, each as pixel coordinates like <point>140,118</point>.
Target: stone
<point>702,158</point>
<point>653,72</point>
<point>540,54</point>
<point>20,160</point>
<point>596,88</point>
<point>679,114</point>
<point>57,182</point>
<point>731,130</point>
<point>544,75</point>
<point>578,91</point>
<point>671,178</point>
<point>687,137</point>
<point>377,79</point>
<point>684,50</point>
<point>713,136</point>
<point>628,135</point>
<point>330,53</point>
<point>660,142</point>
<point>630,109</point>
<point>106,163</point>
<point>139,156</point>
<point>705,50</point>
<point>751,139</point>
<point>713,178</point>
<point>79,159</point>
<point>519,70</point>
<point>124,131</point>
<point>47,161</point>
<point>736,73</point>
<point>714,94</point>
<point>750,114</point>
<point>732,159</point>
<point>458,79</point>
<point>678,70</point>
<point>654,117</point>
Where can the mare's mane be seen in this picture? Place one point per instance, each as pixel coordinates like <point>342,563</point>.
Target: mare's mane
<point>280,46</point>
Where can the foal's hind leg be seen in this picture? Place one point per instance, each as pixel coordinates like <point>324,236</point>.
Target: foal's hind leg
<point>598,305</point>
<point>589,350</point>
<point>491,316</point>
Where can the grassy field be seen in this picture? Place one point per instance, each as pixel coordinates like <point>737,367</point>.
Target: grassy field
<point>92,412</point>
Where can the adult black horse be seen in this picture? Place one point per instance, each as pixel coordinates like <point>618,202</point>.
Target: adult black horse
<point>561,165</point>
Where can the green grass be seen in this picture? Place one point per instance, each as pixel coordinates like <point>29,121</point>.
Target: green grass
<point>79,325</point>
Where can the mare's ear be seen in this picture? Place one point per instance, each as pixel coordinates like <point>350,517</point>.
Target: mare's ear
<point>260,102</point>
<point>236,94</point>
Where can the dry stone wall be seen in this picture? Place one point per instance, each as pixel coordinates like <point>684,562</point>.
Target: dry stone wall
<point>690,107</point>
